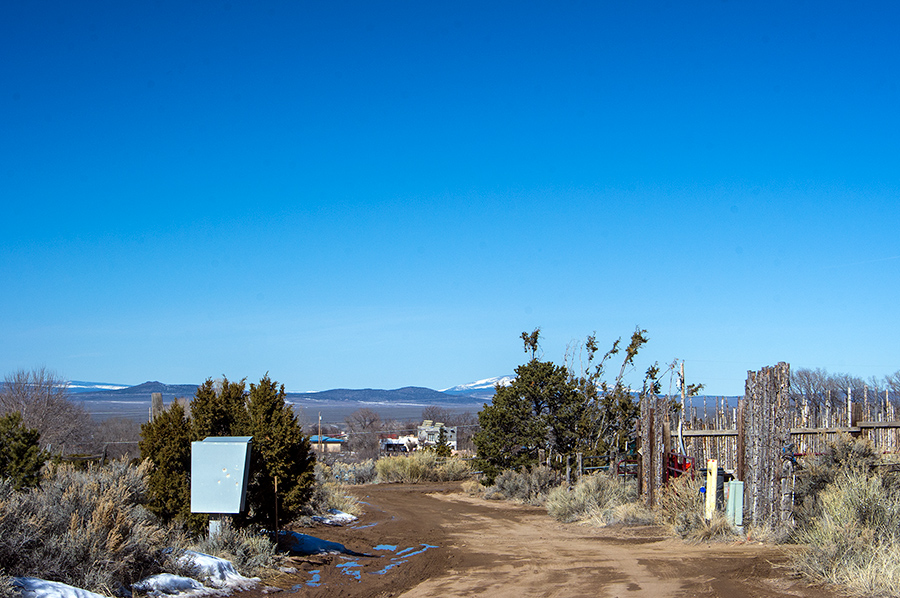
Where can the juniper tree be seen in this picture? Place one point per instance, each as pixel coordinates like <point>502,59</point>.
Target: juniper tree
<point>540,409</point>
<point>442,447</point>
<point>564,409</point>
<point>21,458</point>
<point>166,442</point>
<point>280,450</point>
<point>220,411</point>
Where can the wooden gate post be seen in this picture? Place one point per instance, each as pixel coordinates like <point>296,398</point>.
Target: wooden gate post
<point>766,438</point>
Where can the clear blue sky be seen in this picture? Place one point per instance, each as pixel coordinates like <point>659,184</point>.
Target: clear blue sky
<point>365,194</point>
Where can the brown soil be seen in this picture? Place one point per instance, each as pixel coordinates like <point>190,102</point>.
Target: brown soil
<point>474,547</point>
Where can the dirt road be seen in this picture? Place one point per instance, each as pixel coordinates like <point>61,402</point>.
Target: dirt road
<point>432,540</point>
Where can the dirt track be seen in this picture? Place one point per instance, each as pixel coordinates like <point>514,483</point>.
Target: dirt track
<point>432,540</point>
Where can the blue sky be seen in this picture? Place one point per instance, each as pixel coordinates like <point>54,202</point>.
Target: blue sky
<point>362,194</point>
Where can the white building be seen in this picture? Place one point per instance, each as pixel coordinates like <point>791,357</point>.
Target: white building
<point>429,433</point>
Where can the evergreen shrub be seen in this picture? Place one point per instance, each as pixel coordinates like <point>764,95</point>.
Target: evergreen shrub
<point>20,456</point>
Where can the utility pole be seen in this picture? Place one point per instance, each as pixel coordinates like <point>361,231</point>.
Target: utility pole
<point>320,432</point>
<point>683,417</point>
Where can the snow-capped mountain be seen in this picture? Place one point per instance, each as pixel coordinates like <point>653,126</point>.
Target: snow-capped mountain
<point>480,388</point>
<point>78,386</point>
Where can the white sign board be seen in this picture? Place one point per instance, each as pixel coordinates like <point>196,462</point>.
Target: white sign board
<point>220,468</point>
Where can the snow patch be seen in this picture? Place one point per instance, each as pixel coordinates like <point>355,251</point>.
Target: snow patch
<point>335,517</point>
<point>217,572</point>
<point>166,584</point>
<point>32,587</point>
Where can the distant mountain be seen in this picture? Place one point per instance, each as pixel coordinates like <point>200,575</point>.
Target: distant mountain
<point>409,395</point>
<point>79,386</point>
<point>482,389</point>
<point>139,393</point>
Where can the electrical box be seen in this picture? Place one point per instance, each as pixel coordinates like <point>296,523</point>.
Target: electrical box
<point>220,468</point>
<point>734,503</point>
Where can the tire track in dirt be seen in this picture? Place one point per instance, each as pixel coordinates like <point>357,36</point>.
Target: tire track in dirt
<point>503,550</point>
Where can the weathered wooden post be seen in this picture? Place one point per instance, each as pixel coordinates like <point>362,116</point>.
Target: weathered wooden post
<point>766,437</point>
<point>654,419</point>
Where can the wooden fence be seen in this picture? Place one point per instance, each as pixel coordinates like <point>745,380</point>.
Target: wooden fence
<point>760,439</point>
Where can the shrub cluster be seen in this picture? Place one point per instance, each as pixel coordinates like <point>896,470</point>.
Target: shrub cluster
<point>354,473</point>
<point>855,539</point>
<point>6,587</point>
<point>88,529</point>
<point>252,553</point>
<point>279,450</point>
<point>421,466</point>
<point>849,520</point>
<point>601,499</point>
<point>846,455</point>
<point>530,486</point>
<point>329,494</point>
<point>681,508</point>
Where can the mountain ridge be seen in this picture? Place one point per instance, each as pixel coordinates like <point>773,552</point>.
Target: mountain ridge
<point>412,395</point>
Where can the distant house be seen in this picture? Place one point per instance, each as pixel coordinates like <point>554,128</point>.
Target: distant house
<point>394,444</point>
<point>430,432</point>
<point>327,444</point>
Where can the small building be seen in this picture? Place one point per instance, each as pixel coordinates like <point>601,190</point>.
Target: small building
<point>327,444</point>
<point>394,444</point>
<point>429,433</point>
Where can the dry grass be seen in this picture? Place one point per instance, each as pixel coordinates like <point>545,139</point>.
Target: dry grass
<point>251,553</point>
<point>681,508</point>
<point>421,466</point>
<point>330,494</point>
<point>855,540</point>
<point>529,486</point>
<point>473,488</point>
<point>600,499</point>
<point>88,529</point>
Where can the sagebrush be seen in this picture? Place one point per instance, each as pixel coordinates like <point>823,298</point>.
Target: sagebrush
<point>528,485</point>
<point>600,498</point>
<point>422,466</point>
<point>89,529</point>
<point>329,494</point>
<point>354,473</point>
<point>844,455</point>
<point>6,587</point>
<point>682,508</point>
<point>251,552</point>
<point>854,539</point>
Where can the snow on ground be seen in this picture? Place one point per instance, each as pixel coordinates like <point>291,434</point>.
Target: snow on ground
<point>32,587</point>
<point>168,584</point>
<point>218,572</point>
<point>335,517</point>
<point>220,578</point>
